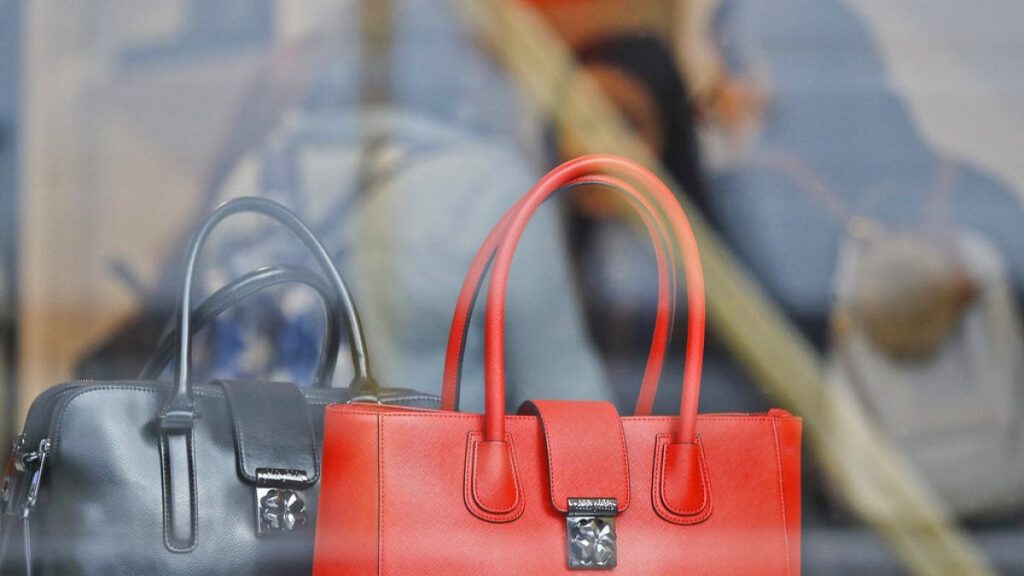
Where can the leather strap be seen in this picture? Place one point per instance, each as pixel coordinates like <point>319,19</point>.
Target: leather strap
<point>494,348</point>
<point>586,450</point>
<point>272,431</point>
<point>26,540</point>
<point>178,476</point>
<point>179,412</point>
<point>664,321</point>
<point>178,415</point>
<point>231,294</point>
<point>683,486</point>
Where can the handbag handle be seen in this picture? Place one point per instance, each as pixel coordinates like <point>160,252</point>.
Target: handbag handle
<point>663,324</point>
<point>494,335</point>
<point>240,289</point>
<point>179,411</point>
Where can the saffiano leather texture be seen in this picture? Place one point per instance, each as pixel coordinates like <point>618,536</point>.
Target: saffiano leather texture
<point>562,485</point>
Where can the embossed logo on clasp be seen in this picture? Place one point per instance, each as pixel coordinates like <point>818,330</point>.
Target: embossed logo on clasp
<point>593,506</point>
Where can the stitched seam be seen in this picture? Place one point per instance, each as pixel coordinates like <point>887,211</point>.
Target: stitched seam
<point>659,504</point>
<point>238,431</point>
<point>469,493</point>
<point>659,462</point>
<point>165,474</point>
<point>705,474</point>
<point>351,408</point>
<point>625,465</point>
<point>520,494</point>
<point>207,394</point>
<point>668,505</point>
<point>476,495</point>
<point>551,468</point>
<point>782,496</point>
<point>657,475</point>
<point>312,441</point>
<point>165,492</point>
<point>193,480</point>
<point>157,389</point>
<point>471,502</point>
<point>81,392</point>
<point>399,400</point>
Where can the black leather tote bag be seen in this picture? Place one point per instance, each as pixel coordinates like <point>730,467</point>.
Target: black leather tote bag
<point>149,477</point>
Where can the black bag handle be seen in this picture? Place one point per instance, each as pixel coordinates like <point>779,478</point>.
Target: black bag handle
<point>179,412</point>
<point>231,294</point>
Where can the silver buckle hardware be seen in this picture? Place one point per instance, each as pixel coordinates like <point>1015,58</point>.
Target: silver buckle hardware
<point>280,507</point>
<point>35,461</point>
<point>590,533</point>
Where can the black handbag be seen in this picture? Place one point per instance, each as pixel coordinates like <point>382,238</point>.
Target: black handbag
<point>148,477</point>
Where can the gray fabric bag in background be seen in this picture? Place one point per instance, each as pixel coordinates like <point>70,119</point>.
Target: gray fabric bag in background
<point>936,361</point>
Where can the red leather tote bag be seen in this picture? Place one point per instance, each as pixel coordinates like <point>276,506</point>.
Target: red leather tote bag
<point>563,485</point>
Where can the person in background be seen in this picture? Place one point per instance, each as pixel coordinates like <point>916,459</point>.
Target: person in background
<point>640,74</point>
<point>614,261</point>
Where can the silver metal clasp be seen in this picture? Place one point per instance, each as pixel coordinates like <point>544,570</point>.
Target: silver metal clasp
<point>36,462</point>
<point>590,533</point>
<point>280,504</point>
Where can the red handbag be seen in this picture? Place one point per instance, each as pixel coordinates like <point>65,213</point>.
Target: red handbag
<point>564,485</point>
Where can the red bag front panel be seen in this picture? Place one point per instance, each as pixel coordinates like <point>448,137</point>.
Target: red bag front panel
<point>393,499</point>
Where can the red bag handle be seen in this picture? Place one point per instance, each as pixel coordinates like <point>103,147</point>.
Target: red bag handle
<point>494,336</point>
<point>666,295</point>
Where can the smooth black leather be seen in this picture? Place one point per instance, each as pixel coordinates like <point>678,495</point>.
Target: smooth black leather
<point>121,493</point>
<point>290,444</point>
<point>180,493</point>
<point>100,511</point>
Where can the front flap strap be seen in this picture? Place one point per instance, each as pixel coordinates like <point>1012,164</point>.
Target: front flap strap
<point>586,451</point>
<point>273,433</point>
